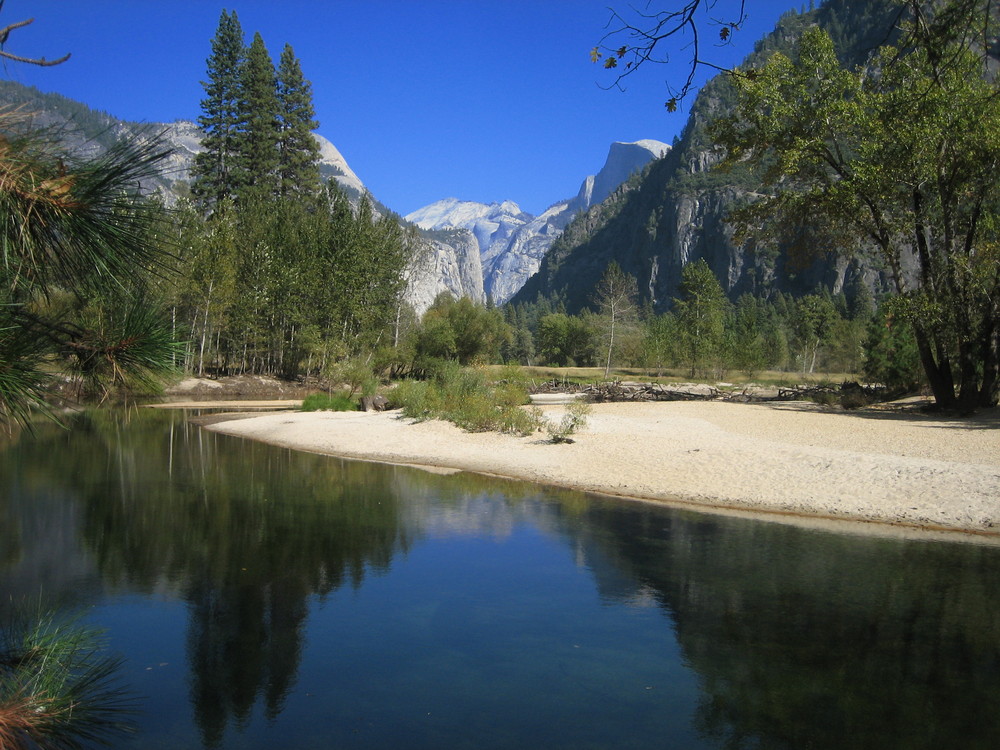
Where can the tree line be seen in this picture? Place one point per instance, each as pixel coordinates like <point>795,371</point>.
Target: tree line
<point>276,274</point>
<point>893,155</point>
<point>704,335</point>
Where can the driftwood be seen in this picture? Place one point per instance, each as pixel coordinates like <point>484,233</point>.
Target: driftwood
<point>628,391</point>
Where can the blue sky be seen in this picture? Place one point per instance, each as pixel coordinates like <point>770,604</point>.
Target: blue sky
<point>426,99</point>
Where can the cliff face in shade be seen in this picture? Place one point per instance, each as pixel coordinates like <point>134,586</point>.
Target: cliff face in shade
<point>675,211</point>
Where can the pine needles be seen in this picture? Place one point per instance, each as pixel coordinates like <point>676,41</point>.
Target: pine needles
<point>58,687</point>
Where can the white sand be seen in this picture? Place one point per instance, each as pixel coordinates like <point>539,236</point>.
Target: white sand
<point>910,469</point>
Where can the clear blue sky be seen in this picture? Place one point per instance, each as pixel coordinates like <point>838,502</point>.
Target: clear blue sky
<point>426,99</point>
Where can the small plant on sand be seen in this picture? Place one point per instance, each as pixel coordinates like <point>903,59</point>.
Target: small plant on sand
<point>574,420</point>
<point>356,373</point>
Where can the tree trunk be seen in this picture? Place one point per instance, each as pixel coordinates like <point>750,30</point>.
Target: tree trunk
<point>938,372</point>
<point>611,344</point>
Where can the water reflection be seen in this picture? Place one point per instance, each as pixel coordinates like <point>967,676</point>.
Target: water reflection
<point>245,535</point>
<point>523,616</point>
<point>811,639</point>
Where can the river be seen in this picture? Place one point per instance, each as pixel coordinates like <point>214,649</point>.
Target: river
<point>263,598</point>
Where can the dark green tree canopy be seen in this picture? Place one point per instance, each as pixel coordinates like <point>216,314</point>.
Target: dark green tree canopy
<point>901,156</point>
<point>298,151</point>
<point>258,124</point>
<point>217,167</point>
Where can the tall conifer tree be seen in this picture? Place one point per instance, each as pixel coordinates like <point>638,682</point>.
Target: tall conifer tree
<point>259,140</point>
<point>215,169</point>
<point>298,152</point>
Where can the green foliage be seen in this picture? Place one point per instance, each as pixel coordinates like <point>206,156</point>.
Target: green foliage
<point>701,313</point>
<point>565,341</point>
<point>356,373</point>
<point>462,331</point>
<point>258,124</point>
<point>903,161</point>
<point>660,342</point>
<point>59,688</point>
<point>747,325</point>
<point>258,143</point>
<point>298,152</point>
<point>79,249</point>
<point>573,420</point>
<point>615,296</point>
<point>891,355</point>
<point>288,287</point>
<point>464,396</point>
<point>328,402</point>
<point>214,176</point>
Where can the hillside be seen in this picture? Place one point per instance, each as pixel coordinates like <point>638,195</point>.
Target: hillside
<point>675,211</point>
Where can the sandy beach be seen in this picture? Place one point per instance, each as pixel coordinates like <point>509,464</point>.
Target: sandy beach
<point>903,468</point>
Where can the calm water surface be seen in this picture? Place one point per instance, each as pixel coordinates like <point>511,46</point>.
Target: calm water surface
<point>269,599</point>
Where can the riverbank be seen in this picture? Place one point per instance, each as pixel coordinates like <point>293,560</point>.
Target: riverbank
<point>905,468</point>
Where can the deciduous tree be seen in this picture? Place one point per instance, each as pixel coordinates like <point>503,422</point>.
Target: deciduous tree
<point>900,155</point>
<point>701,313</point>
<point>615,296</point>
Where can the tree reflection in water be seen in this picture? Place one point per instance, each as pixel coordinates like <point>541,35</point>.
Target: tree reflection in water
<point>245,536</point>
<point>796,638</point>
<point>819,640</point>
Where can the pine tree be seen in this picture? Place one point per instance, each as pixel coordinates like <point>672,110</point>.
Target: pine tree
<point>215,169</point>
<point>298,152</point>
<point>258,143</point>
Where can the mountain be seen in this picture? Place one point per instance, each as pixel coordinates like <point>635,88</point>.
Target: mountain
<point>444,261</point>
<point>512,242</point>
<point>184,137</point>
<point>675,212</point>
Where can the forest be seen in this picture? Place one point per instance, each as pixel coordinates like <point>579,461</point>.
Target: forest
<point>263,269</point>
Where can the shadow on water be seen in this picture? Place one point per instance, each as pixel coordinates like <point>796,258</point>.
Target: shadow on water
<point>806,639</point>
<point>244,535</point>
<point>792,638</point>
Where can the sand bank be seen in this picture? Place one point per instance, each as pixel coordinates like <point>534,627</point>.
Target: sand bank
<point>889,467</point>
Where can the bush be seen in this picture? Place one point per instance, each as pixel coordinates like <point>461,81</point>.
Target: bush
<point>573,420</point>
<point>356,373</point>
<point>326,402</point>
<point>465,397</point>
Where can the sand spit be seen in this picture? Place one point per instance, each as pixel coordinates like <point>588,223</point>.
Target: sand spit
<point>791,458</point>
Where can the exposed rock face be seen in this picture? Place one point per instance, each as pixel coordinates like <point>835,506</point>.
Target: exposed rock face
<point>445,262</point>
<point>676,212</point>
<point>512,242</point>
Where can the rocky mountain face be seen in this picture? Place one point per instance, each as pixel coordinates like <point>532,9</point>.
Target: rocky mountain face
<point>445,261</point>
<point>675,211</point>
<point>512,242</point>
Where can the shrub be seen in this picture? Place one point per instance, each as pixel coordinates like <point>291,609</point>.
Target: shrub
<point>573,420</point>
<point>465,397</point>
<point>356,373</point>
<point>326,402</point>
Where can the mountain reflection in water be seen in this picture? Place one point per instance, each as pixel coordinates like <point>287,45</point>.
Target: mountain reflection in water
<point>330,603</point>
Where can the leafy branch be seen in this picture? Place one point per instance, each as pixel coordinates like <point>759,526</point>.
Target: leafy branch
<point>645,38</point>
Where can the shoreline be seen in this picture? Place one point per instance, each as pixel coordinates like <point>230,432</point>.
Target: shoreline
<point>788,461</point>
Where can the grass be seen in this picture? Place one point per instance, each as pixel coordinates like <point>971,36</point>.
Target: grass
<point>327,402</point>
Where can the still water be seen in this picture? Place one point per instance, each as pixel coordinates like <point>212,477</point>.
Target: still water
<point>264,598</point>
